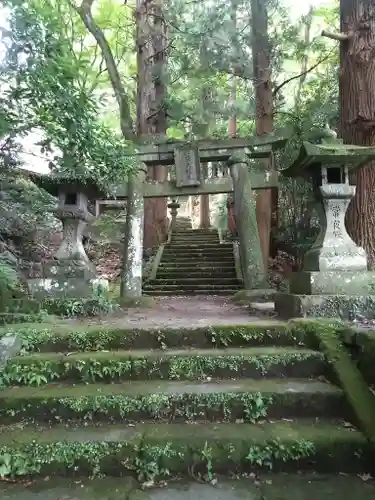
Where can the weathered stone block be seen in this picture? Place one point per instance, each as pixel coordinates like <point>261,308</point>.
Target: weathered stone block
<point>346,307</point>
<point>58,269</point>
<point>61,287</point>
<point>335,282</point>
<point>10,345</point>
<point>246,297</point>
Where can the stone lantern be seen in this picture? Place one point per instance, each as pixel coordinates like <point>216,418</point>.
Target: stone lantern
<point>334,279</point>
<point>173,206</point>
<point>70,273</point>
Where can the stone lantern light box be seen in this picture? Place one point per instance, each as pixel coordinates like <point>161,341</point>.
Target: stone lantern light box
<point>70,272</point>
<point>334,265</point>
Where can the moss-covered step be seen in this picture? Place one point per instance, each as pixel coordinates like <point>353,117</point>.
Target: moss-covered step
<point>195,246</point>
<point>197,259</point>
<point>190,287</point>
<point>195,273</point>
<point>187,254</point>
<point>166,449</point>
<point>65,337</point>
<point>194,364</point>
<point>186,240</point>
<point>361,342</point>
<point>188,281</point>
<point>227,292</point>
<point>226,400</point>
<point>190,264</point>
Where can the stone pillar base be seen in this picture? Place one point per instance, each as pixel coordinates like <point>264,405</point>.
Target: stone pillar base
<point>246,297</point>
<point>68,278</point>
<point>334,282</point>
<point>345,307</point>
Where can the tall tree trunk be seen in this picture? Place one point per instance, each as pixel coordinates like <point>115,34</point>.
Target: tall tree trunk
<point>131,273</point>
<point>305,59</point>
<point>261,52</point>
<point>204,205</point>
<point>151,112</point>
<point>232,79</point>
<point>204,199</point>
<point>357,112</point>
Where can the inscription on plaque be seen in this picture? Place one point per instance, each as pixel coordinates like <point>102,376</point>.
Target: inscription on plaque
<point>188,168</point>
<point>336,212</point>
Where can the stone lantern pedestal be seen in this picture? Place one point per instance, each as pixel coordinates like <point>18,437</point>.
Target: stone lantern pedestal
<point>70,273</point>
<point>173,207</point>
<point>334,281</point>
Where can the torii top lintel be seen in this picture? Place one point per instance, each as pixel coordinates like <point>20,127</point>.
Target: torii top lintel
<point>210,150</point>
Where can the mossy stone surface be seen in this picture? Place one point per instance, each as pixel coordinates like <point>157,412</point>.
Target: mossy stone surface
<point>267,486</point>
<point>346,307</point>
<point>226,400</point>
<point>307,445</point>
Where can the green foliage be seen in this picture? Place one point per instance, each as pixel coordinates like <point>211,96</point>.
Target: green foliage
<point>52,88</point>
<point>172,407</point>
<point>97,305</point>
<point>9,282</point>
<point>149,462</point>
<point>47,338</point>
<point>34,370</point>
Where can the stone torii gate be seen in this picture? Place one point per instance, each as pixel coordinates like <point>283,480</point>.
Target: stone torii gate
<point>244,172</point>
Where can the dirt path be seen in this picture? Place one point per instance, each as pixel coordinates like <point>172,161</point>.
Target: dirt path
<point>184,312</point>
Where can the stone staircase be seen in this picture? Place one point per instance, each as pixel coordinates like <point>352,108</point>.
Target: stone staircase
<point>91,400</point>
<point>195,263</point>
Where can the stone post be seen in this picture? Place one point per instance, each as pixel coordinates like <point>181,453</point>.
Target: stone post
<point>204,203</point>
<point>131,283</point>
<point>74,219</point>
<point>254,273</point>
<point>334,249</point>
<point>173,206</point>
<point>334,281</point>
<point>70,273</point>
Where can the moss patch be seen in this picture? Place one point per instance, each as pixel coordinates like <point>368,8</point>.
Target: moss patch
<point>67,337</point>
<point>246,400</point>
<point>360,397</point>
<point>160,450</point>
<point>362,346</point>
<point>39,369</point>
<point>245,297</point>
<point>140,302</point>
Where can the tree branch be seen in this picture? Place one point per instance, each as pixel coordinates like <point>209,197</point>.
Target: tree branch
<point>340,37</point>
<point>126,121</point>
<point>279,87</point>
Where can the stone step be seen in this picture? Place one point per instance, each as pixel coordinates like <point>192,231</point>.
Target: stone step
<point>61,337</point>
<point>272,486</point>
<point>305,444</point>
<point>179,364</point>
<point>176,274</point>
<point>227,292</point>
<point>198,250</point>
<point>228,400</point>
<point>197,253</point>
<point>194,241</point>
<point>192,267</point>
<point>195,236</point>
<point>198,261</point>
<point>200,246</point>
<point>191,287</point>
<point>193,282</point>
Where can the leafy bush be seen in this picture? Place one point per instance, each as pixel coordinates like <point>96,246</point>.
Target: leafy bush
<point>96,305</point>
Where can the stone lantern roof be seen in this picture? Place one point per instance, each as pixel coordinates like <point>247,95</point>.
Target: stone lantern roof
<point>57,182</point>
<point>331,153</point>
